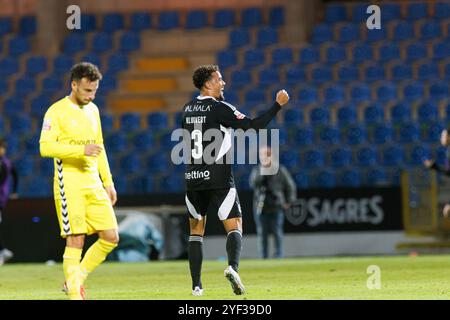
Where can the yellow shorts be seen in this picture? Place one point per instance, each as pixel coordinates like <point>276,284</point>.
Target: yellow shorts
<point>84,212</point>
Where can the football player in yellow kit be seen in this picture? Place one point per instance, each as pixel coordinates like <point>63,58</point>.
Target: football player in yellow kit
<point>83,187</point>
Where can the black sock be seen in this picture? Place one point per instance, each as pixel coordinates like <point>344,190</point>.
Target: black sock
<point>234,246</point>
<point>195,252</point>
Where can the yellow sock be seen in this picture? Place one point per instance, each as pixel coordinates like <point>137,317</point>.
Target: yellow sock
<point>95,255</point>
<point>71,267</point>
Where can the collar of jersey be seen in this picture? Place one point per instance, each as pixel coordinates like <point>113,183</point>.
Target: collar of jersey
<point>73,105</point>
<point>205,97</point>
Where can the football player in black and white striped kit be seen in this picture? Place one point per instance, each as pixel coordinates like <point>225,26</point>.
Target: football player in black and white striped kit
<point>210,184</point>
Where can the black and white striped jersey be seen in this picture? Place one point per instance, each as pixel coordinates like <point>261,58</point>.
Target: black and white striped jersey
<point>209,167</point>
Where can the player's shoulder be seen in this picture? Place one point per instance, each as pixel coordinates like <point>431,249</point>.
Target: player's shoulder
<point>58,105</point>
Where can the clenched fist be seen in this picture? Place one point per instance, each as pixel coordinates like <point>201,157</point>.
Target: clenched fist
<point>282,97</point>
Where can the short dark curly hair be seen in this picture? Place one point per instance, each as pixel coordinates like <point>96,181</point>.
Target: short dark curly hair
<point>203,74</point>
<point>85,70</point>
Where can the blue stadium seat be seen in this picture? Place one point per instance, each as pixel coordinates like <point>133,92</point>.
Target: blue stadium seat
<point>366,156</point>
<point>335,13</point>
<point>36,65</point>
<point>13,106</point>
<point>107,121</point>
<point>268,77</point>
<point>401,71</point>
<point>348,32</point>
<point>14,145</point>
<point>408,132</point>
<point>413,91</point>
<point>362,52</point>
<point>355,134</point>
<point>333,94</point>
<point>266,36</point>
<point>350,178</point>
<point>418,154</point>
<point>130,164</point>
<point>291,160</point>
<point>441,50</point>
<point>27,25</point>
<point>441,155</point>
<point>377,176</point>
<point>5,25</point>
<point>117,62</point>
<point>301,180</point>
<point>416,10</point>
<point>88,23</point>
<point>74,43</point>
<point>238,37</point>
<point>416,51</point>
<point>428,71</point>
<point>255,96</point>
<point>282,55</point>
<point>374,72</point>
<point>431,132</point>
<point>196,19</point>
<point>109,83</point>
<point>129,41</point>
<point>386,91</point>
<point>240,78</point>
<point>116,142</point>
<point>130,121</point>
<point>442,10</point>
<point>382,133</point>
<point>293,117</point>
<point>224,18</point>
<point>391,11</point>
<point>31,143</point>
<point>102,42</point>
<point>447,71</point>
<point>322,33</point>
<point>393,156</point>
<point>403,30</point>
<point>427,112</point>
<point>174,183</point>
<point>36,187</point>
<point>325,179</point>
<point>276,16</point>
<point>140,21</point>
<point>24,86</point>
<point>157,120</point>
<point>254,57</point>
<point>46,167</point>
<point>359,12</point>
<point>93,58</point>
<point>251,17</point>
<point>158,163</point>
<point>309,54</point>
<point>388,51</point>
<point>232,97</point>
<point>20,124</point>
<point>39,105</point>
<point>430,30</point>
<point>439,90</point>
<point>295,75</point>
<point>347,72</point>
<point>341,157</point>
<point>303,136</point>
<point>314,159</point>
<point>376,35</point>
<point>168,20</point>
<point>335,53</point>
<point>321,74</point>
<point>62,63</point>
<point>52,84</point>
<point>400,112</point>
<point>144,141</point>
<point>113,22</point>
<point>328,135</point>
<point>4,86</point>
<point>307,95</point>
<point>373,113</point>
<point>227,58</point>
<point>346,115</point>
<point>18,45</point>
<point>360,93</point>
<point>8,66</point>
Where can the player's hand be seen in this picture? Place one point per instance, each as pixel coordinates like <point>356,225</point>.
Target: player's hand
<point>112,194</point>
<point>92,150</point>
<point>282,97</point>
<point>446,210</point>
<point>428,163</point>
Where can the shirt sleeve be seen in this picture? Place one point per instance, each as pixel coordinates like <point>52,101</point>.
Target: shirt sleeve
<point>230,117</point>
<point>103,165</point>
<point>49,145</point>
<point>291,187</point>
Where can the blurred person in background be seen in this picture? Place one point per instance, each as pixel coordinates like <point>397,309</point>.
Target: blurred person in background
<point>7,172</point>
<point>272,195</point>
<point>432,165</point>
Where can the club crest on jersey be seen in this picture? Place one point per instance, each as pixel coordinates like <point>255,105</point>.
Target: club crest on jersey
<point>46,125</point>
<point>239,115</point>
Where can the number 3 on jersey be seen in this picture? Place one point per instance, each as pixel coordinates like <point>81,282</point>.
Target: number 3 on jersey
<point>197,151</point>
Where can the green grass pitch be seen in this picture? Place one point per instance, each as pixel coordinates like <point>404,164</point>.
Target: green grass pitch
<point>402,277</point>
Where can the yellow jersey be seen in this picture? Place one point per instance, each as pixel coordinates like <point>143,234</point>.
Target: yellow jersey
<point>66,129</point>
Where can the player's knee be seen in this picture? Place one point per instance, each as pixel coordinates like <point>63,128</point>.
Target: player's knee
<point>75,241</point>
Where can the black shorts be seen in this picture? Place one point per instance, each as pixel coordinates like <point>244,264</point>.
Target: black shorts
<point>223,202</point>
